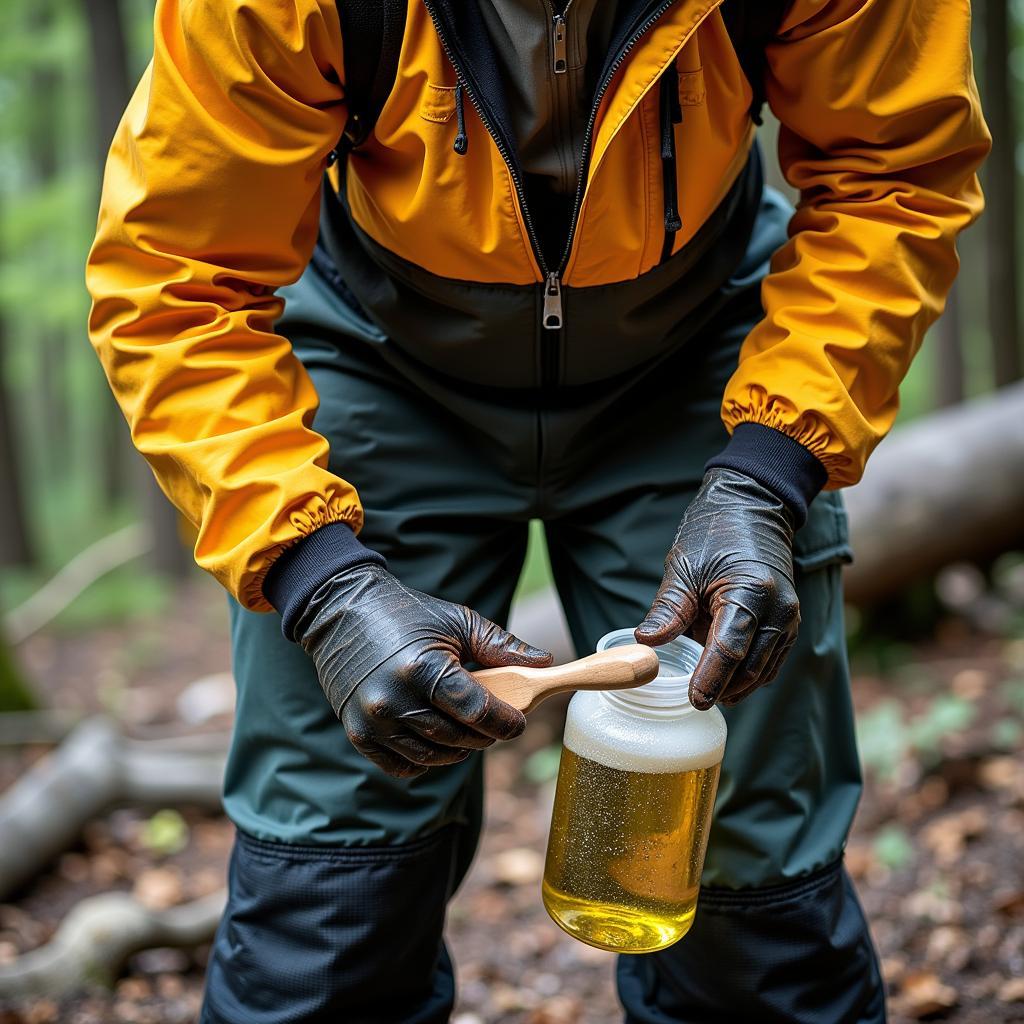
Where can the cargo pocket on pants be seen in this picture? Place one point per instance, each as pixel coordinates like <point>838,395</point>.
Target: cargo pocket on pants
<point>825,538</point>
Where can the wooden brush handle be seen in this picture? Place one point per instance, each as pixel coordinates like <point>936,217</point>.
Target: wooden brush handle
<point>620,668</point>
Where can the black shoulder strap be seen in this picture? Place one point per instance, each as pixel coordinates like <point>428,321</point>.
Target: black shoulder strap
<point>371,34</point>
<point>753,25</point>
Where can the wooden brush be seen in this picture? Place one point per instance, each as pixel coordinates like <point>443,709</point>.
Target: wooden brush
<point>619,668</point>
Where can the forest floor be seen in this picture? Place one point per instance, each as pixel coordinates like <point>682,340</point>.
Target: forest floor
<point>936,852</point>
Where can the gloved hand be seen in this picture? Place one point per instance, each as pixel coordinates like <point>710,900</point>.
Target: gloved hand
<point>389,660</point>
<point>729,578</point>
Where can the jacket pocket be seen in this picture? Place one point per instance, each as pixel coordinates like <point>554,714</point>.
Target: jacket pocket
<point>825,538</point>
<point>438,103</point>
<point>691,88</point>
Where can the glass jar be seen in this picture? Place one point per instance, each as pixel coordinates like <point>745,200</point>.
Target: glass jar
<point>633,804</point>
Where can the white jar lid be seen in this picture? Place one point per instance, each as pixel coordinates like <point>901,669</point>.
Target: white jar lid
<point>672,686</point>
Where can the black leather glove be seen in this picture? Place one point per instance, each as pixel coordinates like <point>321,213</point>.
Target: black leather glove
<point>390,662</point>
<point>729,579</point>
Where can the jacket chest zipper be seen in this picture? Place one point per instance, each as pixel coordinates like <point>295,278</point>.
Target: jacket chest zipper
<point>552,314</point>
<point>559,45</point>
<point>560,40</point>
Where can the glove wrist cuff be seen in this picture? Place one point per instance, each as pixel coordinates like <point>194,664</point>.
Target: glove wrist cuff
<point>302,569</point>
<point>784,466</point>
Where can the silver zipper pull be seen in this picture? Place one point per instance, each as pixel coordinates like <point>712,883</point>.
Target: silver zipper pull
<point>560,45</point>
<point>552,317</point>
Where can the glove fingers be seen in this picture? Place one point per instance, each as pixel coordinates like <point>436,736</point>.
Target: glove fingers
<point>782,648</point>
<point>750,673</point>
<point>672,613</point>
<point>493,647</point>
<point>458,694</point>
<point>420,751</point>
<point>443,731</point>
<point>732,631</point>
<point>389,761</point>
<point>778,659</point>
<point>394,748</point>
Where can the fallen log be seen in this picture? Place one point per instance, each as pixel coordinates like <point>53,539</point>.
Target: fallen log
<point>98,935</point>
<point>947,487</point>
<point>43,813</point>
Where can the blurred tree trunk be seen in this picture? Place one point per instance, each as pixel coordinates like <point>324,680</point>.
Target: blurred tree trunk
<point>949,355</point>
<point>42,134</point>
<point>14,693</point>
<point>1001,189</point>
<point>169,555</point>
<point>111,87</point>
<point>110,77</point>
<point>15,545</point>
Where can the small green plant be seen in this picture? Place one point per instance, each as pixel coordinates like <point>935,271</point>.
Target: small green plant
<point>893,848</point>
<point>887,737</point>
<point>947,714</point>
<point>542,765</point>
<point>165,833</point>
<point>1007,734</point>
<point>882,738</point>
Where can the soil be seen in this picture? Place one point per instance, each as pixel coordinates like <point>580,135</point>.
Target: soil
<point>936,851</point>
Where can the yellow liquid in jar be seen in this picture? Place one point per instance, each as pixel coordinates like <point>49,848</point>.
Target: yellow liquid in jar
<point>626,852</point>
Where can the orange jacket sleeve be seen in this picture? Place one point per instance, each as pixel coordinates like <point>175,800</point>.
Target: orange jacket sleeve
<point>881,133</point>
<point>210,203</point>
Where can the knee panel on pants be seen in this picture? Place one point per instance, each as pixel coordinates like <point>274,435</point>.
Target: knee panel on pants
<point>323,935</point>
<point>798,953</point>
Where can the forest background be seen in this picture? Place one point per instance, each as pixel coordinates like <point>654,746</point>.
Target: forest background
<point>103,618</point>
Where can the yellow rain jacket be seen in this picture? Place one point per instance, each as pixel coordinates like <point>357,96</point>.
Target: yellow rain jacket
<point>212,200</point>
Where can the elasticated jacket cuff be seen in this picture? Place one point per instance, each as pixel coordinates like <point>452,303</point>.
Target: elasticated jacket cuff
<point>775,461</point>
<point>298,573</point>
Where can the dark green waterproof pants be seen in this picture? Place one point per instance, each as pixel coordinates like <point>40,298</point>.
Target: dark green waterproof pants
<point>341,874</point>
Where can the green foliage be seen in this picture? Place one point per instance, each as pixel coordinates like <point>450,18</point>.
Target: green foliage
<point>542,765</point>
<point>893,848</point>
<point>49,182</point>
<point>123,595</point>
<point>1013,690</point>
<point>881,737</point>
<point>887,736</point>
<point>536,572</point>
<point>946,715</point>
<point>165,833</point>
<point>1007,734</point>
<point>14,692</point>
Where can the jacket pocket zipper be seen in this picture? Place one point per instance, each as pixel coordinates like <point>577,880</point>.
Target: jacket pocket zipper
<point>552,318</point>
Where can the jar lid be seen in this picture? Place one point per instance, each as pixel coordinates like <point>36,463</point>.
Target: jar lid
<point>671,688</point>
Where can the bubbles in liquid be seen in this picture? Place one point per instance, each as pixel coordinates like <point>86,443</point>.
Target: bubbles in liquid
<point>625,853</point>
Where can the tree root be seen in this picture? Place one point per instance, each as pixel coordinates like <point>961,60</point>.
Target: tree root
<point>96,938</point>
<point>43,813</point>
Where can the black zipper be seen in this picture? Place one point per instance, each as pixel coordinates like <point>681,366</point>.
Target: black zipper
<point>560,39</point>
<point>551,309</point>
<point>588,135</point>
<point>499,141</point>
<point>552,317</point>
